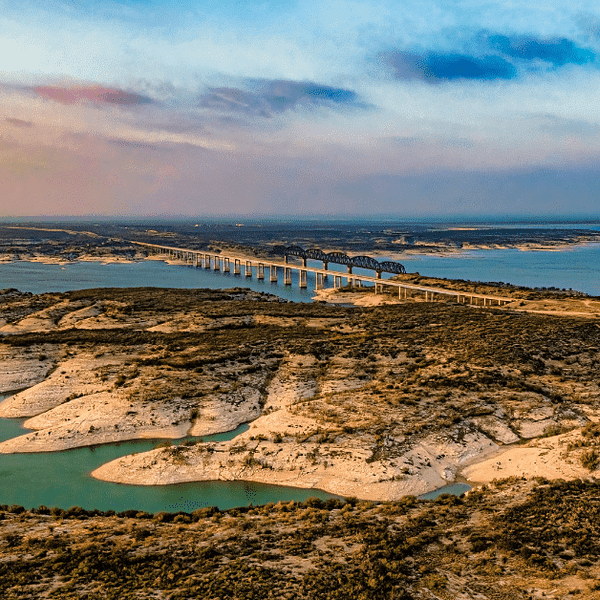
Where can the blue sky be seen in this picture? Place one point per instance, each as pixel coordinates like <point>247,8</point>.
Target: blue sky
<point>413,108</point>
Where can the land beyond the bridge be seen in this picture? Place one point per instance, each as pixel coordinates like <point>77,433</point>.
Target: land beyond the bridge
<point>61,242</point>
<point>368,402</point>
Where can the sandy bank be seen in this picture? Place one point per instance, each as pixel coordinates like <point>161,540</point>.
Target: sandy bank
<point>555,457</point>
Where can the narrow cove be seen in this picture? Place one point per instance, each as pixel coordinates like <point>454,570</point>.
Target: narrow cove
<point>62,479</point>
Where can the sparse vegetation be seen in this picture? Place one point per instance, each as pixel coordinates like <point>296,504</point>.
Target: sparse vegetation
<point>495,541</point>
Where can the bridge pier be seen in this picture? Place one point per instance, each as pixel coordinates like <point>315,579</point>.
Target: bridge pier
<point>287,276</point>
<point>207,261</point>
<point>319,281</point>
<point>260,271</point>
<point>226,267</point>
<point>273,273</point>
<point>337,281</point>
<point>217,263</point>
<point>237,266</point>
<point>248,269</point>
<point>303,281</point>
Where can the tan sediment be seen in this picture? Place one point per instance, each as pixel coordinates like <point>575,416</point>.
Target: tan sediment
<point>346,469</point>
<point>23,368</point>
<point>285,447</point>
<point>555,457</point>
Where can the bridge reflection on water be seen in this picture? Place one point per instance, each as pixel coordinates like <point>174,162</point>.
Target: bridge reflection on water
<point>269,269</point>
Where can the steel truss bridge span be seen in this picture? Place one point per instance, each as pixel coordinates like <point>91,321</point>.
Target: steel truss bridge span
<point>341,258</point>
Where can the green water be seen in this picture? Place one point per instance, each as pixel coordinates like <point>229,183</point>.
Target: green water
<point>62,479</point>
<point>456,489</point>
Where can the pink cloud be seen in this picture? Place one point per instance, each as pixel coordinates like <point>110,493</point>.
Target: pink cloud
<point>96,94</point>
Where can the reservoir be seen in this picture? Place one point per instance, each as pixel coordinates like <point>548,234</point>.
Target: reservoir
<point>574,268</point>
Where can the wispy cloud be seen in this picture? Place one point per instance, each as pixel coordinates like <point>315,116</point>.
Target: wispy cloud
<point>95,94</point>
<point>266,98</point>
<point>18,122</point>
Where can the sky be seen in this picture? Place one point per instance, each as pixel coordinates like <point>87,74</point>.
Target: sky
<point>304,107</point>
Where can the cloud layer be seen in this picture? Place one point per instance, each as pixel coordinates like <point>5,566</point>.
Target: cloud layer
<point>163,107</point>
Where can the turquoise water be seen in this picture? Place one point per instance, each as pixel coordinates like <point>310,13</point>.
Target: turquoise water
<point>456,489</point>
<point>62,479</point>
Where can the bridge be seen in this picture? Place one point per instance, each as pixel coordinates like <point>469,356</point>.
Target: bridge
<point>261,268</point>
<point>341,258</point>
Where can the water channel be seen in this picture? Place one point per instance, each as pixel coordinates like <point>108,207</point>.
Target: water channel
<point>63,479</point>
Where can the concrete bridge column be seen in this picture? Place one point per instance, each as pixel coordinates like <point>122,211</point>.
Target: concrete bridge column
<point>318,281</point>
<point>303,283</point>
<point>337,281</point>
<point>304,262</point>
<point>226,267</point>
<point>217,263</point>
<point>273,273</point>
<point>349,269</point>
<point>207,261</point>
<point>287,276</point>
<point>248,269</point>
<point>260,272</point>
<point>237,266</point>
